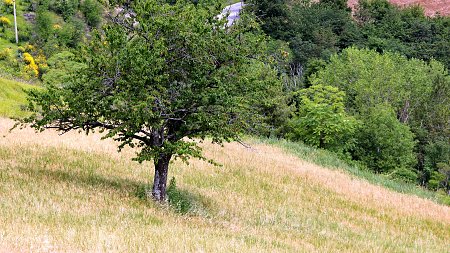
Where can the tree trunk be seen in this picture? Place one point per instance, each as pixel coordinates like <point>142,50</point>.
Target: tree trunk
<point>160,179</point>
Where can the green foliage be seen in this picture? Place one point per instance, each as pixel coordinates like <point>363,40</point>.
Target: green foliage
<point>312,29</point>
<point>321,120</point>
<point>437,164</point>
<point>437,151</point>
<point>404,30</point>
<point>418,92</point>
<point>61,67</point>
<point>9,64</point>
<point>375,79</point>
<point>92,11</point>
<point>149,86</point>
<point>405,174</point>
<point>274,14</point>
<point>319,30</point>
<point>66,8</point>
<point>435,180</point>
<point>415,89</point>
<point>313,66</point>
<point>269,110</point>
<point>52,36</point>
<point>43,26</point>
<point>71,33</point>
<point>444,169</point>
<point>339,4</point>
<point>6,54</point>
<point>384,144</point>
<point>316,29</point>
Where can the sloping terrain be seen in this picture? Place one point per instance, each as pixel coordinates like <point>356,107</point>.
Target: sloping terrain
<point>75,193</point>
<point>431,6</point>
<point>12,97</point>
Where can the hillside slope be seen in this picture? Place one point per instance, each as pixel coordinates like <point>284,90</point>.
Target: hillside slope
<point>12,97</point>
<point>75,193</point>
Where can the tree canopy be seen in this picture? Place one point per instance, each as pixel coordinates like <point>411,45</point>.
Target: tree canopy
<point>168,74</point>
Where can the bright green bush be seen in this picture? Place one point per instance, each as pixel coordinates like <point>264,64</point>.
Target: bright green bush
<point>321,120</point>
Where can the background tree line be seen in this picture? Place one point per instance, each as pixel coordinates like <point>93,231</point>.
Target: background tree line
<point>372,85</point>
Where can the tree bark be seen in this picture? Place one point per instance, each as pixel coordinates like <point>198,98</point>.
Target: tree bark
<point>160,179</point>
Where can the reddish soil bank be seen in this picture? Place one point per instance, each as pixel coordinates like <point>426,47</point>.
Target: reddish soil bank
<point>431,6</point>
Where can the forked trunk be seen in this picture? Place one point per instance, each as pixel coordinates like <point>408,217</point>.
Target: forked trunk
<point>160,179</point>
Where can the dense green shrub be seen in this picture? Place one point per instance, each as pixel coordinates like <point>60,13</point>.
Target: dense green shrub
<point>274,15</point>
<point>419,93</point>
<point>92,11</point>
<point>383,143</point>
<point>313,29</point>
<point>61,66</point>
<point>71,33</point>
<point>404,30</point>
<point>66,8</point>
<point>319,30</point>
<point>270,110</point>
<point>43,25</point>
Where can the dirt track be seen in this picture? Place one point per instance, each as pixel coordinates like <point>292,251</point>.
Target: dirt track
<point>431,6</point>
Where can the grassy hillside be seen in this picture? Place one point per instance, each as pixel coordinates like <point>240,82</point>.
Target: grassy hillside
<point>75,193</point>
<point>12,97</point>
<point>331,160</point>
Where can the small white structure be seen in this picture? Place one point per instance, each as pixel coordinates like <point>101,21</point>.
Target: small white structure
<point>233,13</point>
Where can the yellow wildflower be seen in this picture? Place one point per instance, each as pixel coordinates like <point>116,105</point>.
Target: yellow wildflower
<point>8,2</point>
<point>31,64</point>
<point>4,21</point>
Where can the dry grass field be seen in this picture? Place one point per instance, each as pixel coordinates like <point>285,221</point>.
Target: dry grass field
<point>74,193</point>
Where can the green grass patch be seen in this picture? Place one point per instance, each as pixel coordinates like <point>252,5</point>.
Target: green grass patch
<point>13,98</point>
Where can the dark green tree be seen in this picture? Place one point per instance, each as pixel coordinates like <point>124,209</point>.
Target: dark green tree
<point>312,29</point>
<point>384,144</point>
<point>274,15</point>
<point>408,31</point>
<point>159,80</point>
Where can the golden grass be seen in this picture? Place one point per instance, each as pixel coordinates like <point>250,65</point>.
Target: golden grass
<point>74,193</point>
